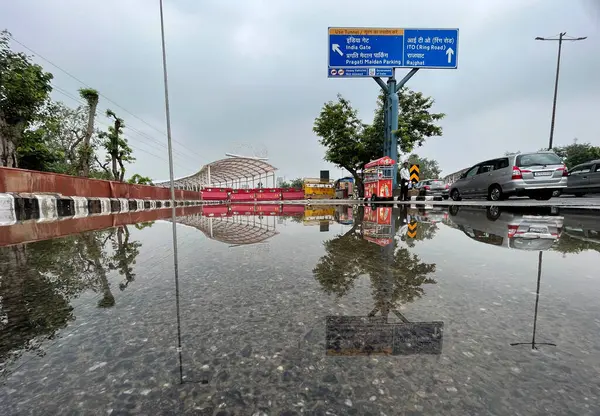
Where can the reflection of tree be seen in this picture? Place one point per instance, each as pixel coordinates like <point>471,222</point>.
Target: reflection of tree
<point>94,246</point>
<point>398,281</point>
<point>38,281</point>
<point>125,253</point>
<point>568,244</point>
<point>396,274</point>
<point>32,308</point>
<point>425,231</point>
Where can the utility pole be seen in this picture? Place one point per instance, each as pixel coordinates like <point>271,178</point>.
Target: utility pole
<point>560,40</point>
<point>171,185</point>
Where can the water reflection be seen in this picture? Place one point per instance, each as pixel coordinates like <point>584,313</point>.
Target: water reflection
<point>533,343</point>
<point>264,326</point>
<point>41,279</point>
<point>508,228</point>
<point>396,275</point>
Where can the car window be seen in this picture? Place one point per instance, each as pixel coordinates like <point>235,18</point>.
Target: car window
<point>472,171</point>
<point>581,169</point>
<point>487,167</point>
<point>534,159</point>
<point>501,163</point>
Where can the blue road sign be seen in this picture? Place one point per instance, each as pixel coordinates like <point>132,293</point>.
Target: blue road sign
<point>374,49</point>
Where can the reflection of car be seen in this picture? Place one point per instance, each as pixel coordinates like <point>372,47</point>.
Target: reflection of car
<point>584,178</point>
<point>512,229</point>
<point>536,175</point>
<point>432,187</point>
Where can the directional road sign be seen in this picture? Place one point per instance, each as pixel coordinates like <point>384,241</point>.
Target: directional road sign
<point>366,52</point>
<point>414,173</point>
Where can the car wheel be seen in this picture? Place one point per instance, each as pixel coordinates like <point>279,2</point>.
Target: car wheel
<point>495,193</point>
<point>453,210</point>
<point>492,213</point>
<point>455,195</point>
<point>445,197</point>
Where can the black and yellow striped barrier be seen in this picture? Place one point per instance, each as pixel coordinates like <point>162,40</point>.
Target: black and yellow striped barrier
<point>412,229</point>
<point>414,173</point>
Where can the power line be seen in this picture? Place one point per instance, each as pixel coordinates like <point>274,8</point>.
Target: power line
<point>62,91</point>
<point>99,93</point>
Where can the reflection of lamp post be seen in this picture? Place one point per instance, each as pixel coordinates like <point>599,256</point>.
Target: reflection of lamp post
<point>560,40</point>
<point>537,299</point>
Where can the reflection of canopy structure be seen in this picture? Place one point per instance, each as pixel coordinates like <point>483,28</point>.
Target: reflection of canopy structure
<point>234,172</point>
<point>235,230</point>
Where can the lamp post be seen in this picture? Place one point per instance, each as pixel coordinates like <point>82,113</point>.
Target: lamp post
<point>560,40</point>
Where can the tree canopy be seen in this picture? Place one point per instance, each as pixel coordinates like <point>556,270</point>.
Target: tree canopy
<point>577,153</point>
<point>350,143</point>
<point>428,168</point>
<point>24,88</point>
<point>40,134</point>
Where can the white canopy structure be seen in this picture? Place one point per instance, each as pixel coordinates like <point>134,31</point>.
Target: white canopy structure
<point>232,172</point>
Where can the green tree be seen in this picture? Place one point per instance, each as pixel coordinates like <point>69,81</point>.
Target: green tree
<point>428,168</point>
<point>117,148</point>
<point>416,121</point>
<point>24,88</point>
<point>576,153</point>
<point>297,183</point>
<point>140,180</point>
<point>350,144</point>
<point>51,143</point>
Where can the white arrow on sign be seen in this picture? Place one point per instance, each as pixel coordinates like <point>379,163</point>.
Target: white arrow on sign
<point>449,52</point>
<point>336,48</point>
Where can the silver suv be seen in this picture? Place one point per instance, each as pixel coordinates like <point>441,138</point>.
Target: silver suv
<point>536,175</point>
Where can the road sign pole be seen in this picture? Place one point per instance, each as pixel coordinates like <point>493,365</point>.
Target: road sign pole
<point>391,127</point>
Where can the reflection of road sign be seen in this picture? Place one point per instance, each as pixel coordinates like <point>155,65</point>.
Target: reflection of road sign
<point>358,335</point>
<point>366,49</point>
<point>414,173</point>
<point>412,230</point>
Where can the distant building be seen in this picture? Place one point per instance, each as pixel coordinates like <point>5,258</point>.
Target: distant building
<point>454,176</point>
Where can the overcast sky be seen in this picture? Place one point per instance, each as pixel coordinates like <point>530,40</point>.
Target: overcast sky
<point>249,77</point>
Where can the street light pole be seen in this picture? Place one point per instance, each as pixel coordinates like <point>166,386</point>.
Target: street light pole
<point>560,40</point>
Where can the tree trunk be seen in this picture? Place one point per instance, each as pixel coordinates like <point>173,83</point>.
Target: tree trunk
<point>9,135</point>
<point>358,182</point>
<point>86,154</point>
<point>115,170</point>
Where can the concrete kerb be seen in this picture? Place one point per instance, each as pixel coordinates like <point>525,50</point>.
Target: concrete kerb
<point>426,198</point>
<point>52,207</point>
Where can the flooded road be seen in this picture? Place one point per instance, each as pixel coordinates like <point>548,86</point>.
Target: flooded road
<point>330,311</point>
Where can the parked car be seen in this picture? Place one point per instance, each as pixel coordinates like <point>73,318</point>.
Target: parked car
<point>432,187</point>
<point>584,179</point>
<point>536,175</point>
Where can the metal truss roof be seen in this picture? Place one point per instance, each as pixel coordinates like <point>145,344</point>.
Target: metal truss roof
<point>226,170</point>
